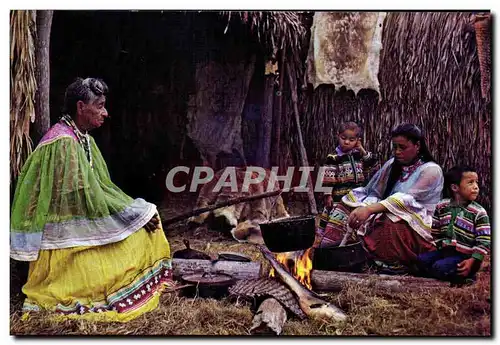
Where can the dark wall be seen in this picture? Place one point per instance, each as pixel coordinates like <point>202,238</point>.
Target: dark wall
<point>148,59</point>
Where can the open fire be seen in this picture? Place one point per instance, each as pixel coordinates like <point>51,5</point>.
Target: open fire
<point>298,264</point>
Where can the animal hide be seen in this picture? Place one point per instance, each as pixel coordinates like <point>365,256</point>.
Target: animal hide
<point>345,49</point>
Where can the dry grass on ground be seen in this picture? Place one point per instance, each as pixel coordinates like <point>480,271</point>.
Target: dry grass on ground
<point>462,311</point>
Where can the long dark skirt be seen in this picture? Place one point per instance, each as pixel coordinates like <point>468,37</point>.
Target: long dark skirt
<point>385,241</point>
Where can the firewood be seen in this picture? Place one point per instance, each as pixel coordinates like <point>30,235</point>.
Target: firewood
<point>263,288</point>
<point>236,269</point>
<point>269,319</point>
<point>334,281</point>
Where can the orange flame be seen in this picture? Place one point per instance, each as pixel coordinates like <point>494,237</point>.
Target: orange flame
<point>298,264</point>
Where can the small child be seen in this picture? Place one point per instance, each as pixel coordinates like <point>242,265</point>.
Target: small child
<point>461,230</point>
<point>351,166</point>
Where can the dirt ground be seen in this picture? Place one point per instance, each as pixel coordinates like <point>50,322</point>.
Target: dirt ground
<point>462,311</point>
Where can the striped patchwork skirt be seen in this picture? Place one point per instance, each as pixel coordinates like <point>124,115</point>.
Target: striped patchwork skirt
<point>114,282</point>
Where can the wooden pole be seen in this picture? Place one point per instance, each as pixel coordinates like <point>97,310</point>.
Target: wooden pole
<point>302,149</point>
<point>278,109</point>
<point>198,211</point>
<point>266,123</point>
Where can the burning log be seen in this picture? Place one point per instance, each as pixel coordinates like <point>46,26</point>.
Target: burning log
<point>269,319</point>
<point>236,269</point>
<point>265,288</point>
<point>334,281</point>
<point>309,302</point>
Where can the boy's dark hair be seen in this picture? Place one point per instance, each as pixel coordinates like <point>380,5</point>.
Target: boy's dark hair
<point>454,176</point>
<point>353,126</point>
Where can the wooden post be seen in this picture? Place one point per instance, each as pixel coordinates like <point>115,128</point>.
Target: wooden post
<point>266,117</point>
<point>278,108</point>
<point>302,149</point>
<point>42,74</point>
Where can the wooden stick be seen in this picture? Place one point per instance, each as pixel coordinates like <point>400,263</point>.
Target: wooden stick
<point>275,160</point>
<point>302,149</point>
<point>269,319</point>
<point>236,269</point>
<point>334,281</point>
<point>198,211</point>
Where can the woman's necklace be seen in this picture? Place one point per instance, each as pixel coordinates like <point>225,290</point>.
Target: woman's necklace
<point>83,139</point>
<point>409,170</point>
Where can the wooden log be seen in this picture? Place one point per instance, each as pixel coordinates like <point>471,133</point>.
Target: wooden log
<point>236,269</point>
<point>263,288</point>
<point>269,319</point>
<point>334,281</point>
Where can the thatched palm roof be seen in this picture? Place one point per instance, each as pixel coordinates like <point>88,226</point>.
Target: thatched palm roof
<point>276,30</point>
<point>22,86</point>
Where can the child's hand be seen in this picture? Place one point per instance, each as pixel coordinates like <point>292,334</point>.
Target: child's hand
<point>464,267</point>
<point>359,146</point>
<point>328,202</point>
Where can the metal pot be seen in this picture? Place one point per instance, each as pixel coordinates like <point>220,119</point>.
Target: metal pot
<point>207,285</point>
<point>351,257</point>
<point>289,234</point>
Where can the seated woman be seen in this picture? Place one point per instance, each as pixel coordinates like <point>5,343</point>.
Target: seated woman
<point>94,252</point>
<point>393,213</point>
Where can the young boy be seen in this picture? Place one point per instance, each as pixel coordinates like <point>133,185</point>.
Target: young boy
<point>351,166</point>
<point>461,230</point>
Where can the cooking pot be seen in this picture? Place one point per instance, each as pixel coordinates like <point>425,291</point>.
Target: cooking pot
<point>351,257</point>
<point>289,234</point>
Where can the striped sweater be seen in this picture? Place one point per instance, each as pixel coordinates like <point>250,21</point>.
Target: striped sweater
<point>345,172</point>
<point>467,228</point>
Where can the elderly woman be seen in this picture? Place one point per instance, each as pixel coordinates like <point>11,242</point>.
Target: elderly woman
<point>94,252</point>
<point>393,213</point>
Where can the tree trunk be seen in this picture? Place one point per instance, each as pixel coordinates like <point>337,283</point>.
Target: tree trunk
<point>302,149</point>
<point>266,123</point>
<point>334,281</point>
<point>236,269</point>
<point>269,318</point>
<point>42,73</point>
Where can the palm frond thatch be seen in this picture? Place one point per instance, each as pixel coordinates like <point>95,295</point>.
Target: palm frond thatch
<point>22,86</point>
<point>275,30</point>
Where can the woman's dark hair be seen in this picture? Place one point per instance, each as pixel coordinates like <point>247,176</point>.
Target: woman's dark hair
<point>454,176</point>
<point>415,135</point>
<point>85,90</point>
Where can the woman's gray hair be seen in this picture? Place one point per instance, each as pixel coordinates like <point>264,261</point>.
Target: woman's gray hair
<point>86,90</point>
